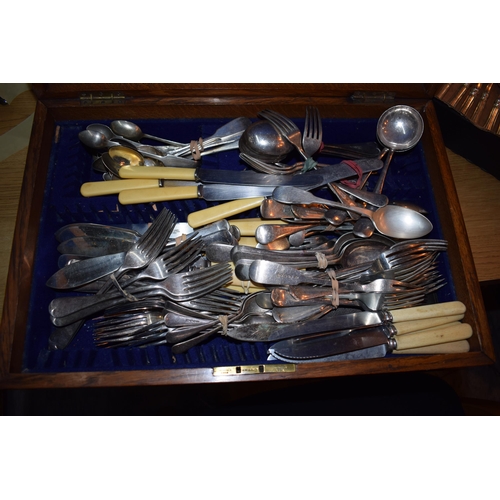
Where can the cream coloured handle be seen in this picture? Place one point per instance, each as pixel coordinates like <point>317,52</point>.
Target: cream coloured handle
<point>171,173</point>
<point>248,241</point>
<point>446,348</point>
<point>244,286</point>
<point>428,311</point>
<point>158,194</point>
<point>422,324</point>
<point>434,336</point>
<point>101,188</point>
<point>222,211</point>
<point>248,226</point>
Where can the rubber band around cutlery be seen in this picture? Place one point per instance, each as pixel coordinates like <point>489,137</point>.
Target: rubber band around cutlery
<point>127,295</point>
<point>180,239</point>
<point>335,288</point>
<point>322,260</point>
<point>357,169</point>
<point>196,148</point>
<point>309,164</point>
<point>224,322</point>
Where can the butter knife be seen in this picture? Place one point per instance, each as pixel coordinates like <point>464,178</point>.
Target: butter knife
<point>407,319</point>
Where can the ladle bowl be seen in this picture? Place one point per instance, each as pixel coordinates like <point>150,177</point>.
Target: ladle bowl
<point>399,129</point>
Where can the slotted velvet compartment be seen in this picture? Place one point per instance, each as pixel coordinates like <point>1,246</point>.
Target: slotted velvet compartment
<point>71,166</point>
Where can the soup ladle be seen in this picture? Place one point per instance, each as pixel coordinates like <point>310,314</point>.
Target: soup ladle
<point>392,220</point>
<point>399,129</point>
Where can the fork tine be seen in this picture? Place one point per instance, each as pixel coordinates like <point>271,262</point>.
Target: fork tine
<point>286,127</point>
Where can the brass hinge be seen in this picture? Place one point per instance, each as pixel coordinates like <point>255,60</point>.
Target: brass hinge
<point>373,96</point>
<point>99,98</point>
<point>253,369</point>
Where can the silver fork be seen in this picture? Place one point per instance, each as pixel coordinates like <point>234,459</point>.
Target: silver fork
<point>171,261</point>
<point>313,132</point>
<point>176,287</point>
<point>147,247</point>
<point>285,127</point>
<point>144,250</point>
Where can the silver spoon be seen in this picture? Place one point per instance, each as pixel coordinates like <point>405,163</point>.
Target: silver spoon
<point>110,135</point>
<point>132,131</point>
<point>399,129</point>
<point>262,141</point>
<point>391,220</point>
<point>363,228</point>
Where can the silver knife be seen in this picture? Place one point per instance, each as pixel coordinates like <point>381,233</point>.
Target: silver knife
<point>327,347</point>
<point>409,319</point>
<point>93,246</point>
<point>308,180</point>
<point>208,192</point>
<point>79,273</point>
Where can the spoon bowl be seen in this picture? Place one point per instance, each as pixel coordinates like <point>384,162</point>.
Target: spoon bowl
<point>133,132</point>
<point>126,156</point>
<point>94,139</point>
<point>262,141</point>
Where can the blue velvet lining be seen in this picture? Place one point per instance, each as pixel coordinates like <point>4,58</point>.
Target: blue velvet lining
<point>71,165</point>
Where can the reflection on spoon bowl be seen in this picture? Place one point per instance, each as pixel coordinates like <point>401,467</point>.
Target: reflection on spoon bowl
<point>262,141</point>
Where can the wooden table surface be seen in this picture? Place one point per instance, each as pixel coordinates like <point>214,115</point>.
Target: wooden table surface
<point>478,191</point>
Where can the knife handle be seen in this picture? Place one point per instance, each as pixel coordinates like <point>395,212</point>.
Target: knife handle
<point>248,226</point>
<point>446,348</point>
<point>405,327</point>
<point>171,173</point>
<point>101,188</point>
<point>428,311</point>
<point>434,336</point>
<point>248,241</point>
<point>158,194</point>
<point>222,211</point>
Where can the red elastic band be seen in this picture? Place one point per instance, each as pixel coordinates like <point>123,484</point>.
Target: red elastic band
<point>353,184</point>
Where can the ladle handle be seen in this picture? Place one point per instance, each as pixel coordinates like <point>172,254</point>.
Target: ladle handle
<point>383,173</point>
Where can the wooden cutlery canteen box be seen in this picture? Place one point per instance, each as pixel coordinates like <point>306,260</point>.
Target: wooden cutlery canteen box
<point>58,164</point>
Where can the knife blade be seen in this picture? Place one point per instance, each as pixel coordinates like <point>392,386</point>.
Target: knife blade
<point>380,351</point>
<point>94,246</point>
<point>208,192</point>
<point>408,319</point>
<point>82,272</point>
<point>81,229</point>
<point>134,231</point>
<point>308,180</point>
<point>325,346</point>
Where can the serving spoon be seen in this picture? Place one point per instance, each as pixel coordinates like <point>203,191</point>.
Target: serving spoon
<point>392,220</point>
